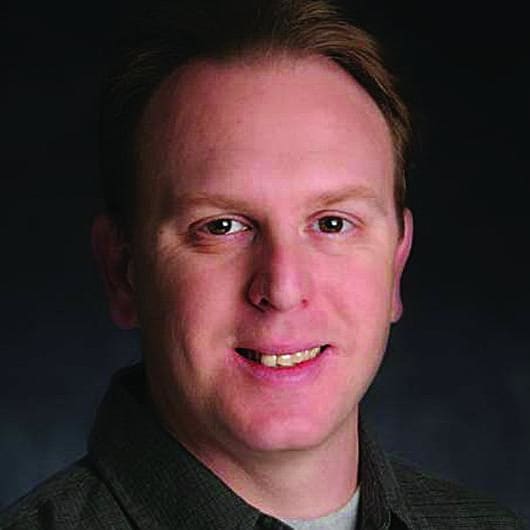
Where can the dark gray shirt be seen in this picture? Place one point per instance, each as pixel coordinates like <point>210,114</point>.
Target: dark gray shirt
<point>136,476</point>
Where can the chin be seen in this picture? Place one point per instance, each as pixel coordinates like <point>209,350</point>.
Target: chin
<point>291,433</point>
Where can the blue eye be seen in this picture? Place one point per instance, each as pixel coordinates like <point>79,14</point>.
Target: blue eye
<point>223,227</point>
<point>333,224</point>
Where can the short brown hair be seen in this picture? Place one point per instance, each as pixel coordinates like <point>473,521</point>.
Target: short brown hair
<point>175,33</point>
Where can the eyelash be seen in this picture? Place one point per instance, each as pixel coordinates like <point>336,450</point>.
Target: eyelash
<point>230,220</point>
<point>340,218</point>
<point>204,228</point>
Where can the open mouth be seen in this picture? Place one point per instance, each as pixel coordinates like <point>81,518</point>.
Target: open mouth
<point>283,360</point>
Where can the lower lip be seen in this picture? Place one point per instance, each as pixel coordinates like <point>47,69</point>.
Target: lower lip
<point>284,375</point>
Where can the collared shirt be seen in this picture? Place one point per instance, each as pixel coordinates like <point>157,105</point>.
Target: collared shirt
<point>137,476</point>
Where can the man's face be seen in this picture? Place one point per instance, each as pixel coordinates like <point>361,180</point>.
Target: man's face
<point>266,227</point>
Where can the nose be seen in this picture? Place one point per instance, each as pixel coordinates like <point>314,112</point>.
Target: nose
<point>281,279</point>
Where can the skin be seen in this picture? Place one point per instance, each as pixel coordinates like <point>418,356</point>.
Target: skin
<point>297,160</point>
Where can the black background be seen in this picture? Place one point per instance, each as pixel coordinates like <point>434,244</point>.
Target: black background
<point>453,395</point>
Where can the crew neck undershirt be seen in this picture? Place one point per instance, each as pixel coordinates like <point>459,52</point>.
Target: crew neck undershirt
<point>343,519</point>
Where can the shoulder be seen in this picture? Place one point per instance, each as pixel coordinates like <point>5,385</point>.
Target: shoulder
<point>446,505</point>
<point>73,498</point>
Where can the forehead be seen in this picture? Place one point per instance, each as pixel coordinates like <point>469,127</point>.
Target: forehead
<point>278,116</point>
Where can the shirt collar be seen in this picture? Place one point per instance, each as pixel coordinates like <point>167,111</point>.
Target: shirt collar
<point>161,485</point>
<point>382,498</point>
<point>158,483</point>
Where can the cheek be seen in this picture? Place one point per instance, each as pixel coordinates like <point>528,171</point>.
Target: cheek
<point>186,330</point>
<point>361,302</point>
<point>208,293</point>
<point>362,285</point>
<point>191,302</point>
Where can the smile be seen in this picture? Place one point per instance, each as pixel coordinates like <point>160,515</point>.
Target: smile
<point>282,360</point>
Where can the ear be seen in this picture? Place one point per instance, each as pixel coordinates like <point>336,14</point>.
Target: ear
<point>114,259</point>
<point>400,259</point>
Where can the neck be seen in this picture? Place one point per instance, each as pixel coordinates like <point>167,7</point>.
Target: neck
<point>302,484</point>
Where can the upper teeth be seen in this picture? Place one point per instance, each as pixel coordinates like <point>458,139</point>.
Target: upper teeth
<point>288,359</point>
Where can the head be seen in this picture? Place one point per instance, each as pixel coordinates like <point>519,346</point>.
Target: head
<point>255,191</point>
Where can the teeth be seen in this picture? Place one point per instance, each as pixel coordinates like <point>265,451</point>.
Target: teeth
<point>285,360</point>
<point>268,360</point>
<point>298,357</point>
<point>290,359</point>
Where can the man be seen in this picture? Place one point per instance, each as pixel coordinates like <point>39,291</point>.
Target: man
<point>254,157</point>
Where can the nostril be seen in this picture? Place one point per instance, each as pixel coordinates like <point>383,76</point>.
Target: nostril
<point>264,302</point>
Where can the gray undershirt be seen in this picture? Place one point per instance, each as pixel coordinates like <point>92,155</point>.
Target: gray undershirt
<point>343,519</point>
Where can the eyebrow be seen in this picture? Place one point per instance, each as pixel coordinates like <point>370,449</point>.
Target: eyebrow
<point>353,193</point>
<point>326,199</point>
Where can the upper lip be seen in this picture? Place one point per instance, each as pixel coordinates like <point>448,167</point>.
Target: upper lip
<point>281,348</point>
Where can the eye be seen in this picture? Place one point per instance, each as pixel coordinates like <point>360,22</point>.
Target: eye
<point>223,227</point>
<point>332,224</point>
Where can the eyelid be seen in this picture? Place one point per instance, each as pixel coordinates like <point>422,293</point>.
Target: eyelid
<point>200,226</point>
<point>232,221</point>
<point>354,221</point>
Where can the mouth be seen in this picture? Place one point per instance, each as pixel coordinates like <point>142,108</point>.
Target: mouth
<point>282,360</point>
